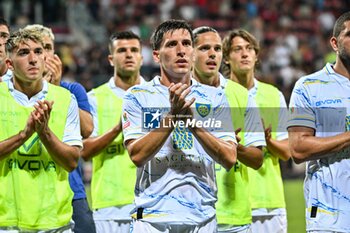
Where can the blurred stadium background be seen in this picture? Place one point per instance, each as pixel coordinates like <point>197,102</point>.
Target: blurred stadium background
<point>294,37</point>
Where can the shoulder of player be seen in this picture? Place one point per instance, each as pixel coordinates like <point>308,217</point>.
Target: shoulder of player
<point>207,92</point>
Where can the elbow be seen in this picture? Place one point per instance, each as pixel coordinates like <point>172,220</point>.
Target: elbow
<point>137,161</point>
<point>286,156</point>
<point>258,163</point>
<point>298,157</point>
<point>84,155</point>
<point>86,131</point>
<point>231,157</point>
<point>72,165</point>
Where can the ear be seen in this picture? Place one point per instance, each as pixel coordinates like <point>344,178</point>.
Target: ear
<point>334,43</point>
<point>156,56</point>
<point>9,63</point>
<point>110,60</point>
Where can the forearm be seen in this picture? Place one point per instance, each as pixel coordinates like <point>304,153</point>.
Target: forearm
<point>86,123</point>
<point>143,149</point>
<point>95,145</point>
<point>63,154</point>
<point>11,144</point>
<point>309,147</point>
<point>279,148</point>
<point>221,151</point>
<point>250,156</point>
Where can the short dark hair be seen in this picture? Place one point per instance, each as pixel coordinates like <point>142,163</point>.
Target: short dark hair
<point>166,26</point>
<point>122,35</point>
<point>339,24</point>
<point>201,30</point>
<point>4,22</point>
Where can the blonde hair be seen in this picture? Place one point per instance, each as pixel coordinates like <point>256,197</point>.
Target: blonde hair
<point>20,36</point>
<point>45,31</point>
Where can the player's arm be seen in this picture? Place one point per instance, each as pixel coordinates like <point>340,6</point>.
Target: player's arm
<point>86,125</point>
<point>13,143</point>
<point>94,145</point>
<point>144,148</point>
<point>250,156</point>
<point>223,152</point>
<point>220,146</point>
<point>65,155</point>
<point>305,146</point>
<point>279,148</point>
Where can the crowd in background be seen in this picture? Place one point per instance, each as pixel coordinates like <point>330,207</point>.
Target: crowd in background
<point>294,35</point>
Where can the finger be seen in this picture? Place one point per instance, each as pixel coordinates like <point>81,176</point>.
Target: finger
<point>238,138</point>
<point>238,130</point>
<point>263,123</point>
<point>185,93</point>
<point>189,103</point>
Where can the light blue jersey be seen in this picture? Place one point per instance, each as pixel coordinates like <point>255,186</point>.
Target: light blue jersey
<point>177,186</point>
<point>322,101</point>
<point>7,75</point>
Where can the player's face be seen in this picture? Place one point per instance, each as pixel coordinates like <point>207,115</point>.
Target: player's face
<point>242,57</point>
<point>27,61</point>
<point>344,44</point>
<point>48,50</point>
<point>175,54</point>
<point>4,35</point>
<point>126,57</point>
<point>207,54</point>
<point>48,45</point>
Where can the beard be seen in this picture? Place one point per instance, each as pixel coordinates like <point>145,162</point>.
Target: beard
<point>344,58</point>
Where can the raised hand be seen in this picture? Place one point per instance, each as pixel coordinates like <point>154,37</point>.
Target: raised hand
<point>41,115</point>
<point>53,65</point>
<point>177,95</point>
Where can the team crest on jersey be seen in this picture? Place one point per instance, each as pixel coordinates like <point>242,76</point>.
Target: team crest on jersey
<point>203,109</point>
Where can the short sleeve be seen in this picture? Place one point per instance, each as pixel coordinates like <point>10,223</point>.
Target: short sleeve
<point>300,108</point>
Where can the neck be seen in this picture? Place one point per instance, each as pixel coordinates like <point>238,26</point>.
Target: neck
<point>166,79</point>
<point>245,79</point>
<point>213,80</point>
<point>341,68</point>
<point>126,82</point>
<point>3,69</point>
<point>28,88</point>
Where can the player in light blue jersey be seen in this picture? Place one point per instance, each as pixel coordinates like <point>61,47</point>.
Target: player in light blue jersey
<point>233,207</point>
<point>5,73</point>
<point>319,134</point>
<point>175,189</point>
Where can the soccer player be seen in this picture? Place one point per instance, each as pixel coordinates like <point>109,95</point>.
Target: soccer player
<point>114,175</point>
<point>319,135</point>
<point>40,142</point>
<point>175,188</point>
<point>82,214</point>
<point>5,73</point>
<point>233,208</point>
<point>240,51</point>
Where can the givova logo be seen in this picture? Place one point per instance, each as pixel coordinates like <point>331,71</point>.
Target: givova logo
<point>151,118</point>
